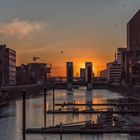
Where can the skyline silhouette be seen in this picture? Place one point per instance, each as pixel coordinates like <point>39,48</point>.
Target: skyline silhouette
<point>83,31</point>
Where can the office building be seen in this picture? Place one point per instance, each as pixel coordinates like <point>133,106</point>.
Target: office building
<point>114,73</point>
<point>103,74</point>
<point>133,47</point>
<point>69,76</point>
<point>82,74</point>
<point>89,72</point>
<point>69,72</point>
<point>121,59</point>
<point>133,33</point>
<point>33,73</point>
<point>7,66</point>
<point>89,75</point>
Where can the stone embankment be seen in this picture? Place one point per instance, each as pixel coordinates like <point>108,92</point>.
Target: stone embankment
<point>14,92</point>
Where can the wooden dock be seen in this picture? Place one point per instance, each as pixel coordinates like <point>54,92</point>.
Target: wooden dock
<point>104,104</point>
<point>51,130</point>
<point>91,112</point>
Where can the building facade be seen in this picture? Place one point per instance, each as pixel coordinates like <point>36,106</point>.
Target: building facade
<point>103,74</point>
<point>69,72</point>
<point>82,74</point>
<point>114,73</point>
<point>69,75</point>
<point>12,67</point>
<point>89,75</point>
<point>121,59</point>
<point>133,33</point>
<point>89,72</point>
<point>23,74</point>
<point>7,66</point>
<point>133,47</point>
<point>33,73</point>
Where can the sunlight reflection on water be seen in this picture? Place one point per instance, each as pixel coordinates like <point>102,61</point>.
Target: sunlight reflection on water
<point>11,126</point>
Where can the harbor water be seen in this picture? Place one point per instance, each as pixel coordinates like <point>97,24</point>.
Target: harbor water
<point>11,124</point>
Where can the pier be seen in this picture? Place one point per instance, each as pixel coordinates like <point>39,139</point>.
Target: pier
<point>91,112</point>
<point>85,127</point>
<point>50,130</point>
<point>103,104</point>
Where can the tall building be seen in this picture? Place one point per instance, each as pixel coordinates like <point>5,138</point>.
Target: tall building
<point>69,76</point>
<point>133,47</point>
<point>133,33</point>
<point>69,72</point>
<point>89,72</point>
<point>89,75</point>
<point>12,66</point>
<point>122,60</point>
<point>7,66</point>
<point>82,74</point>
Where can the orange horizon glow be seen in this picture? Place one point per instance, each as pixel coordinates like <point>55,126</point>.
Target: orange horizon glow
<point>84,31</point>
<point>61,71</point>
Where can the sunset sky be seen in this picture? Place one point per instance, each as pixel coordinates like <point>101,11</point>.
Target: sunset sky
<point>85,30</point>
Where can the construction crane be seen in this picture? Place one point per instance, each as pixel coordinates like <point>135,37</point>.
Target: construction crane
<point>35,59</point>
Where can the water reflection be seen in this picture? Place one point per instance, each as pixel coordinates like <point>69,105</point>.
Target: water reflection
<point>83,137</point>
<point>13,125</point>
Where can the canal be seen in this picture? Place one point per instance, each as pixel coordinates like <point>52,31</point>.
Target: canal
<point>11,124</point>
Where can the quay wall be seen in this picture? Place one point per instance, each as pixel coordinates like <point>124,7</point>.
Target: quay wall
<point>14,92</point>
<point>126,91</point>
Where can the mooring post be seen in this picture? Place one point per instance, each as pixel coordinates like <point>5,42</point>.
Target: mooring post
<point>53,99</point>
<point>24,114</point>
<point>61,136</point>
<point>53,119</point>
<point>45,107</point>
<point>61,127</point>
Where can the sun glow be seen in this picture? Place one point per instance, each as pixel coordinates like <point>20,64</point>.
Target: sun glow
<point>82,65</point>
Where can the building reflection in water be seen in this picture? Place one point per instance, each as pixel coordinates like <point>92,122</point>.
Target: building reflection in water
<point>89,99</point>
<point>69,99</point>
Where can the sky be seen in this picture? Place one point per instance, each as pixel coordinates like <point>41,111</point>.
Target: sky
<point>85,30</point>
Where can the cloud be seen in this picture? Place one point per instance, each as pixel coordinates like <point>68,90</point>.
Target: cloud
<point>22,28</point>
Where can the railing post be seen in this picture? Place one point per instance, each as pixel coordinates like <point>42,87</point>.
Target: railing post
<point>24,114</point>
<point>53,99</point>
<point>45,107</point>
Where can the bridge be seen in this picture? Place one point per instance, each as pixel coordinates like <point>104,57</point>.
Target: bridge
<point>63,84</point>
